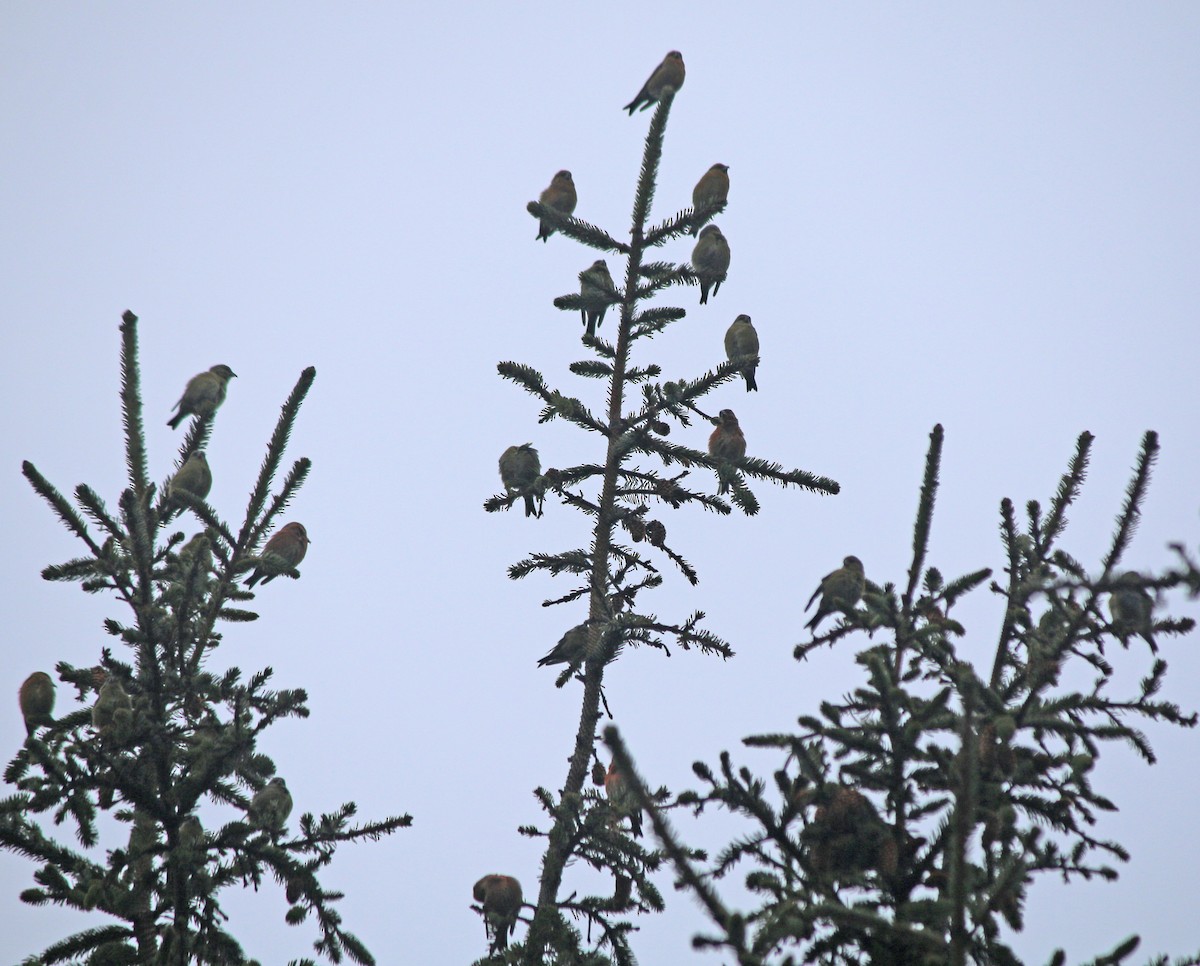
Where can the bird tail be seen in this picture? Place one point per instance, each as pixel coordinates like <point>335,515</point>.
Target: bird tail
<point>176,420</point>
<point>751,384</point>
<point>812,624</point>
<point>254,578</point>
<point>530,506</point>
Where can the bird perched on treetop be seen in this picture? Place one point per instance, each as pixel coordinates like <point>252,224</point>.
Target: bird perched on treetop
<point>710,261</point>
<point>271,805</point>
<point>727,441</point>
<point>617,790</point>
<point>670,73</point>
<point>204,392</point>
<point>741,339</point>
<point>596,284</point>
<point>193,477</point>
<point>571,647</point>
<point>1131,605</point>
<point>37,700</point>
<point>839,590</point>
<point>500,896</point>
<point>711,190</point>
<point>519,469</point>
<point>283,552</point>
<point>561,197</point>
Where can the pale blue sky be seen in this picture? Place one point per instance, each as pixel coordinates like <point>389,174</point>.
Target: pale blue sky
<point>987,218</point>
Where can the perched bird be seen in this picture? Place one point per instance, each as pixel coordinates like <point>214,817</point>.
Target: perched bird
<point>519,469</point>
<point>283,552</point>
<point>727,441</point>
<point>711,190</point>
<point>1131,605</point>
<point>111,704</point>
<point>37,700</point>
<point>561,197</point>
<point>191,832</point>
<point>204,392</point>
<point>193,477</point>
<point>271,805</point>
<point>839,591</point>
<point>617,790</point>
<point>596,285</point>
<point>742,340</point>
<point>500,896</point>
<point>710,261</point>
<point>670,73</point>
<point>571,647</point>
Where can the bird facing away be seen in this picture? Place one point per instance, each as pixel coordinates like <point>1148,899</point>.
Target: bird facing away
<point>711,190</point>
<point>617,790</point>
<point>500,896</point>
<point>571,647</point>
<point>561,197</point>
<point>839,590</point>
<point>271,805</point>
<point>670,73</point>
<point>519,470</point>
<point>194,477</point>
<point>283,552</point>
<point>111,703</point>
<point>191,832</point>
<point>204,392</point>
<point>741,339</point>
<point>727,441</point>
<point>37,700</point>
<point>1131,605</point>
<point>596,285</point>
<point>710,261</point>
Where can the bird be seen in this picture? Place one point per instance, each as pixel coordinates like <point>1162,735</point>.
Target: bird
<point>519,469</point>
<point>595,285</point>
<point>839,590</point>
<point>111,705</point>
<point>191,832</point>
<point>193,477</point>
<point>283,552</point>
<point>500,896</point>
<point>710,261</point>
<point>670,73</point>
<point>37,700</point>
<point>571,647</point>
<point>617,790</point>
<point>271,804</point>
<point>711,190</point>
<point>204,392</point>
<point>741,339</point>
<point>1131,605</point>
<point>727,441</point>
<point>561,197</point>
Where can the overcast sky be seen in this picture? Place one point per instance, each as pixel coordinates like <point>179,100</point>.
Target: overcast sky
<point>987,218</point>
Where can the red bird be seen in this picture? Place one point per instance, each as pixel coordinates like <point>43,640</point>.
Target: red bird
<point>618,793</point>
<point>727,441</point>
<point>283,552</point>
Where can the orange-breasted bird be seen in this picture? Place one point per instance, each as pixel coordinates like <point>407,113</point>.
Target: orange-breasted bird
<point>670,73</point>
<point>711,190</point>
<point>561,197</point>
<point>619,795</point>
<point>839,590</point>
<point>500,896</point>
<point>283,552</point>
<point>37,700</point>
<point>741,339</point>
<point>727,441</point>
<point>204,392</point>
<point>710,261</point>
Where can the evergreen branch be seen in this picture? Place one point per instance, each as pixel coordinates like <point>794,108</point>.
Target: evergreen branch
<point>58,503</point>
<point>1068,489</point>
<point>1131,509</point>
<point>929,488</point>
<point>581,231</point>
<point>131,405</point>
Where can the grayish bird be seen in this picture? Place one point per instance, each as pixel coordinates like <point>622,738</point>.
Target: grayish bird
<point>501,898</point>
<point>710,261</point>
<point>204,392</point>
<point>271,805</point>
<point>596,285</point>
<point>561,197</point>
<point>519,470</point>
<point>670,73</point>
<point>741,339</point>
<point>1131,607</point>
<point>193,477</point>
<point>711,190</point>
<point>839,590</point>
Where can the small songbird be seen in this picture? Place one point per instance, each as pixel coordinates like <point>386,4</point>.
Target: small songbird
<point>283,552</point>
<point>271,805</point>
<point>37,701</point>
<point>839,590</point>
<point>193,477</point>
<point>741,339</point>
<point>205,391</point>
<point>519,469</point>
<point>561,197</point>
<point>571,647</point>
<point>596,285</point>
<point>1131,605</point>
<point>711,190</point>
<point>191,832</point>
<point>500,896</point>
<point>670,73</point>
<point>710,261</point>
<point>111,704</point>
<point>617,790</point>
<point>727,441</point>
